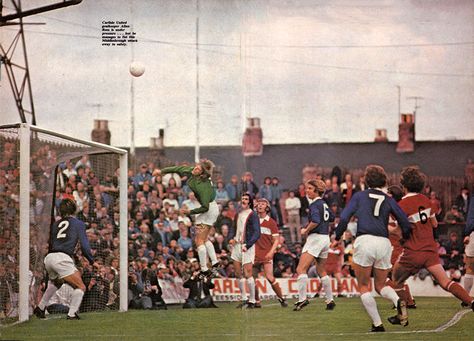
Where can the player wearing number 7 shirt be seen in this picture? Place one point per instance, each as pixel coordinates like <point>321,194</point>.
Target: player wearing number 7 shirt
<point>372,248</point>
<point>65,234</point>
<point>419,250</point>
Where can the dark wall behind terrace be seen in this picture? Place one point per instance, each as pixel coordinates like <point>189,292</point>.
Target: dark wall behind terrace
<point>440,158</point>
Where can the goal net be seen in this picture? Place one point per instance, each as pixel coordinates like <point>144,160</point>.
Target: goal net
<point>38,168</point>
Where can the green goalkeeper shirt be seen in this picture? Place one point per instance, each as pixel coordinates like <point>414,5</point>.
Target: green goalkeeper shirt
<point>202,188</point>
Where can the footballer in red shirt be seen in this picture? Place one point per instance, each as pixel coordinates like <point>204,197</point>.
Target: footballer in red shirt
<point>419,250</point>
<point>265,248</point>
<point>334,264</point>
<point>395,235</point>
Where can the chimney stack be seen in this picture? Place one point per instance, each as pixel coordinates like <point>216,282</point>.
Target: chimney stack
<point>406,134</point>
<point>381,135</point>
<point>158,142</point>
<point>252,144</point>
<point>101,132</point>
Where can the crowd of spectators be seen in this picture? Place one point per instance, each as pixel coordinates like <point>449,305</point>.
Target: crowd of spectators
<point>160,242</point>
<point>159,232</point>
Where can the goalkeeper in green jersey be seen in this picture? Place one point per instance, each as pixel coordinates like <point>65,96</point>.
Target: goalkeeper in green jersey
<point>199,181</point>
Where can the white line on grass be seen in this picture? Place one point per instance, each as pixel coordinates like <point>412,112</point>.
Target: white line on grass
<point>456,318</point>
<point>453,321</point>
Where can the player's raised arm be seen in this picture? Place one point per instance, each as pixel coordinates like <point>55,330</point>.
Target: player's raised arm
<point>181,170</point>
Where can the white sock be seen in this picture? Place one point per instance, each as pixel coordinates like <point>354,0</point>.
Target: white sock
<point>202,254</point>
<point>468,282</point>
<point>390,294</point>
<point>371,307</point>
<point>326,281</point>
<point>301,283</point>
<point>50,291</point>
<point>243,294</point>
<point>76,300</point>
<point>251,284</point>
<point>211,252</point>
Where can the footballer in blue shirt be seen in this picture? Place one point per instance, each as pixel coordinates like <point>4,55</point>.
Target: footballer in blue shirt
<point>317,244</point>
<point>372,248</point>
<point>65,234</point>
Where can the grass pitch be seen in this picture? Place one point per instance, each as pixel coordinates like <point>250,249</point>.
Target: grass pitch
<point>434,319</point>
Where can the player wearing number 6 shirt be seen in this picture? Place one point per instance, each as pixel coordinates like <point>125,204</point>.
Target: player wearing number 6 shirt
<point>372,248</point>
<point>316,245</point>
<point>419,250</point>
<point>65,234</point>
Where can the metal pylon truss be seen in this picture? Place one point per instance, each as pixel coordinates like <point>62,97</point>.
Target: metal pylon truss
<point>13,54</point>
<point>13,57</point>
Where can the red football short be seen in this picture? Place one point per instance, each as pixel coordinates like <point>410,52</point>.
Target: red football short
<point>413,261</point>
<point>332,269</point>
<point>396,252</point>
<point>262,261</point>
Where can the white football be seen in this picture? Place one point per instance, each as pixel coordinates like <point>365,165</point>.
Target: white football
<point>137,69</point>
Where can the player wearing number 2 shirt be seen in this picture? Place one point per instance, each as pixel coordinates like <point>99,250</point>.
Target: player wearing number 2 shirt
<point>419,250</point>
<point>372,248</point>
<point>65,234</point>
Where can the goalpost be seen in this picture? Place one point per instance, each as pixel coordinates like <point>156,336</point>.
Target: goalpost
<point>33,161</point>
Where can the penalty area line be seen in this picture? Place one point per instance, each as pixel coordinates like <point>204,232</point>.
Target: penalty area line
<point>455,319</point>
<point>452,322</point>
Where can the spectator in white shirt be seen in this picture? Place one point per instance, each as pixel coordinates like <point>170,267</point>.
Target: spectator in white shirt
<point>191,202</point>
<point>171,200</point>
<point>292,206</point>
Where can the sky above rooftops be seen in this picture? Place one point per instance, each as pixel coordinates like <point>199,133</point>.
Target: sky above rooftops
<point>312,71</point>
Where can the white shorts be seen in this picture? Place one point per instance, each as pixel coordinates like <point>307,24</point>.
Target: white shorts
<point>59,265</point>
<point>317,245</point>
<point>373,251</point>
<point>209,217</point>
<point>243,257</point>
